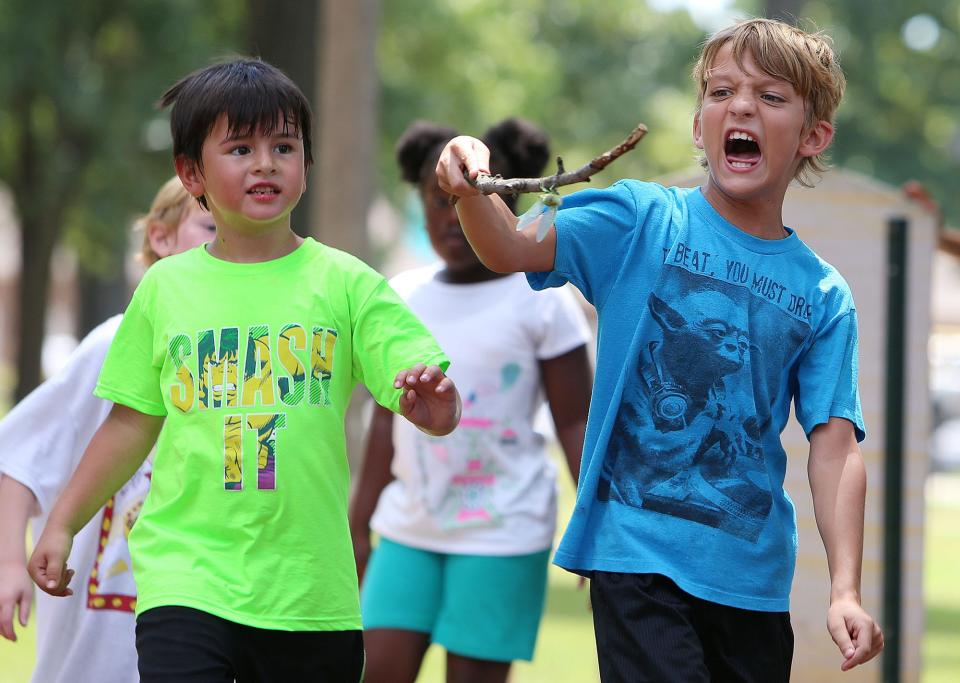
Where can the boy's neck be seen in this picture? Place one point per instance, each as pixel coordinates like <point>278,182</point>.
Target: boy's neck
<point>761,217</point>
<point>246,247</point>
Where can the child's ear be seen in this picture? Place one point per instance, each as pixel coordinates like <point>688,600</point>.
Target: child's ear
<point>190,175</point>
<point>162,240</point>
<point>697,132</point>
<point>816,140</point>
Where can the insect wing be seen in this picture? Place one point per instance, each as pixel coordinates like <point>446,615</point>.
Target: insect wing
<point>546,221</point>
<point>531,215</point>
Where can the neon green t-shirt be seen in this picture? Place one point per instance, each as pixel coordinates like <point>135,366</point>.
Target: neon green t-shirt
<point>253,366</point>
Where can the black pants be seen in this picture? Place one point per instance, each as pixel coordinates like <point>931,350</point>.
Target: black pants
<point>183,645</point>
<point>648,630</point>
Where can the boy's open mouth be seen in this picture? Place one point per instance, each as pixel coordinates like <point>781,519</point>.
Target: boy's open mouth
<point>741,149</point>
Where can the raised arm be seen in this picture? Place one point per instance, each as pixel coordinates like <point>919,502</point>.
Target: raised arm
<point>16,590</point>
<point>374,477</point>
<point>118,448</point>
<point>838,482</point>
<point>487,222</point>
<point>567,380</point>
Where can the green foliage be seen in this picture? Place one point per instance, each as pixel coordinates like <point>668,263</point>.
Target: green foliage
<point>77,99</point>
<point>585,72</point>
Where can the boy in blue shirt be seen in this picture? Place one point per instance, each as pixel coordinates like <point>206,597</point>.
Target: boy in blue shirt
<point>712,317</point>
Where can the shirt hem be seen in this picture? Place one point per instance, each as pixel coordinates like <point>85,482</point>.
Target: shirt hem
<point>629,566</point>
<point>492,549</point>
<point>352,623</point>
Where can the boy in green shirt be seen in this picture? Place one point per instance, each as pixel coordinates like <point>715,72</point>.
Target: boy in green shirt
<point>241,357</point>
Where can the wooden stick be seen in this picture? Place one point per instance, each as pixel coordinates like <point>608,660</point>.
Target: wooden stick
<point>489,184</point>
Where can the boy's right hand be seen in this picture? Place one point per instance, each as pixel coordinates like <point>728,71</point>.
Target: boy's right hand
<point>460,161</point>
<point>16,595</point>
<point>48,563</point>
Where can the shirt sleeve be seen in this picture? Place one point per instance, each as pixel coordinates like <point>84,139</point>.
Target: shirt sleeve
<point>563,323</point>
<point>387,338</point>
<point>596,230</point>
<point>131,371</point>
<point>44,436</point>
<point>827,377</point>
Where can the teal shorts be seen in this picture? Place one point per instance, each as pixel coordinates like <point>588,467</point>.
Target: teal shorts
<point>479,606</point>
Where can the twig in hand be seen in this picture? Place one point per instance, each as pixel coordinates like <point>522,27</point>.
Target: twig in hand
<point>489,184</point>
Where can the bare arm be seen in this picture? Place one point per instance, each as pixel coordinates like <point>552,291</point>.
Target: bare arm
<point>17,502</point>
<point>838,482</point>
<point>950,241</point>
<point>487,222</point>
<point>374,477</point>
<point>567,380</point>
<point>118,448</point>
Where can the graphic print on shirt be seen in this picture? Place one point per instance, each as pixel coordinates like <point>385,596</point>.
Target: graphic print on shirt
<point>261,390</point>
<point>461,465</point>
<point>687,440</point>
<point>111,585</point>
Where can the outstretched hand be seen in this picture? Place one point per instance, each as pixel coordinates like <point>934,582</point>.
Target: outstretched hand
<point>428,399</point>
<point>855,632</point>
<point>48,563</point>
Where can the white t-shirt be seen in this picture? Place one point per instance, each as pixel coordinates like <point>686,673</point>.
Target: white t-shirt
<point>89,636</point>
<point>487,488</point>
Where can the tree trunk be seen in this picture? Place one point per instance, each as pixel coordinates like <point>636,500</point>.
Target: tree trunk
<point>343,182</point>
<point>37,242</point>
<point>284,33</point>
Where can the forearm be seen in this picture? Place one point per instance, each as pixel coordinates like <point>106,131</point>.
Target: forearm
<point>571,441</point>
<point>950,241</point>
<point>838,483</point>
<point>16,504</point>
<point>491,229</point>
<point>117,449</point>
<point>375,473</point>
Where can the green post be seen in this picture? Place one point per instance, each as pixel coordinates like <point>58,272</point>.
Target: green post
<point>893,443</point>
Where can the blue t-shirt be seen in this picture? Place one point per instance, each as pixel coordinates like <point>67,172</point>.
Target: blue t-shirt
<point>705,335</point>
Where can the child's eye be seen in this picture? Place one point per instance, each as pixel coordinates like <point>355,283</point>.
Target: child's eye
<point>772,97</point>
<point>285,148</point>
<point>720,92</point>
<point>210,228</point>
<point>240,150</point>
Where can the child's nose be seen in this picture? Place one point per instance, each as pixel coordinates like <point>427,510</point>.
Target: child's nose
<point>263,161</point>
<point>742,104</point>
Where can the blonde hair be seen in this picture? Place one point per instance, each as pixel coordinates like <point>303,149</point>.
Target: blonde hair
<point>805,60</point>
<point>168,209</point>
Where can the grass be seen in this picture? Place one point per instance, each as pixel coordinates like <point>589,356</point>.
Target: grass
<point>566,651</point>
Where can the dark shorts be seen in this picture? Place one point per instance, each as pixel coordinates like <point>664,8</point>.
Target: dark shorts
<point>184,645</point>
<point>649,630</point>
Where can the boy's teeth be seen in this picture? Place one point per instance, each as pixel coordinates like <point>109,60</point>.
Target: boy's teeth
<point>740,164</point>
<point>740,135</point>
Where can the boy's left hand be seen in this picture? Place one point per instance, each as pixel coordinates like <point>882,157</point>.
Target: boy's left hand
<point>854,631</point>
<point>428,399</point>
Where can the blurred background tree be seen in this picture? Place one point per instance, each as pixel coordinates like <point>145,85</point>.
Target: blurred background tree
<point>81,147</point>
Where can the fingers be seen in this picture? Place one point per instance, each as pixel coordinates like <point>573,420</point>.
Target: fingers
<point>838,631</point>
<point>859,638</point>
<point>421,376</point>
<point>50,575</point>
<point>24,607</point>
<point>6,620</point>
<point>460,162</point>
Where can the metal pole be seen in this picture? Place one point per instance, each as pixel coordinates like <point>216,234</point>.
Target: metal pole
<point>893,443</point>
